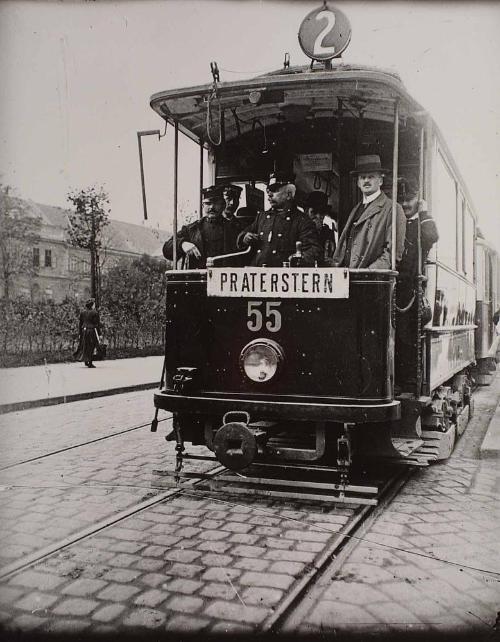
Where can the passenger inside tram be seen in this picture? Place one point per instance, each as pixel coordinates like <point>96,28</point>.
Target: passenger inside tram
<point>212,235</point>
<point>317,209</point>
<point>366,240</point>
<point>274,234</point>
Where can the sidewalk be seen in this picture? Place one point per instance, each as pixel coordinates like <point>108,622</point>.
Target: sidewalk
<point>55,383</point>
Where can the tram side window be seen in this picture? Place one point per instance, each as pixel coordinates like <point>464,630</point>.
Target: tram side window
<point>445,214</point>
<point>468,244</point>
<point>480,266</point>
<point>460,232</point>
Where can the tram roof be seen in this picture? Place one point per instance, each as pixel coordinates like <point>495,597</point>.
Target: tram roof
<point>292,94</point>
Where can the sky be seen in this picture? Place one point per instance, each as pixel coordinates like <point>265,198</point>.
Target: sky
<point>77,78</point>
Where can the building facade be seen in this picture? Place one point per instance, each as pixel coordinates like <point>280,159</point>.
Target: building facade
<point>63,270</point>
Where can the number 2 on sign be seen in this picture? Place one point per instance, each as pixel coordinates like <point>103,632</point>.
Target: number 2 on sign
<point>318,46</point>
<point>256,318</point>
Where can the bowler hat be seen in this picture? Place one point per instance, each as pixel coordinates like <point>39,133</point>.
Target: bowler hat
<point>234,189</point>
<point>214,191</point>
<point>316,200</point>
<point>367,164</point>
<point>281,178</point>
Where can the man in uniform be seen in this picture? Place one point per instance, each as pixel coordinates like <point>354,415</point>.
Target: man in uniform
<point>316,208</point>
<point>274,233</point>
<point>366,240</point>
<point>407,285</point>
<point>212,235</point>
<point>416,214</point>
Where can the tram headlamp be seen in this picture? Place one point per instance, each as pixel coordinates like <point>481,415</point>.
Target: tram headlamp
<point>261,359</point>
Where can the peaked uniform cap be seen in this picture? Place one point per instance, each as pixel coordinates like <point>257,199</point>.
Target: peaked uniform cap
<point>367,164</point>
<point>281,178</point>
<point>407,188</point>
<point>214,191</point>
<point>235,189</point>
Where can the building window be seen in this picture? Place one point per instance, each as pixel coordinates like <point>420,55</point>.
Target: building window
<point>77,264</point>
<point>48,258</point>
<point>36,257</point>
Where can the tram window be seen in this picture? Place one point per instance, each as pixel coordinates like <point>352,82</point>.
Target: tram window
<point>460,232</point>
<point>468,244</point>
<point>445,213</point>
<point>480,273</point>
<point>488,276</point>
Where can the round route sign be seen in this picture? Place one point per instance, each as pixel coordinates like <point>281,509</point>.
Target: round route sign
<point>324,33</point>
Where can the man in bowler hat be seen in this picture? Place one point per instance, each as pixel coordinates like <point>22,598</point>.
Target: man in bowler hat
<point>274,233</point>
<point>212,235</point>
<point>366,240</point>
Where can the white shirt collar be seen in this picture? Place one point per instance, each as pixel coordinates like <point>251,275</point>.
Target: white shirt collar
<point>371,198</point>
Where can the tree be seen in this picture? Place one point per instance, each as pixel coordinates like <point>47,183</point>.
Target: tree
<point>133,295</point>
<point>19,232</point>
<point>86,224</point>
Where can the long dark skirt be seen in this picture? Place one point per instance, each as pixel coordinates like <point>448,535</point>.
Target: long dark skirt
<point>87,345</point>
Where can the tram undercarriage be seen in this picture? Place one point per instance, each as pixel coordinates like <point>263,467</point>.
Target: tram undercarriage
<point>322,460</point>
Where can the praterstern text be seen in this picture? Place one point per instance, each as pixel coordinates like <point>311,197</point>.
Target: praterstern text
<point>279,282</point>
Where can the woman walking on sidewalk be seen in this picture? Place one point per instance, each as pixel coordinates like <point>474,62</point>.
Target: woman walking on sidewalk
<point>90,327</point>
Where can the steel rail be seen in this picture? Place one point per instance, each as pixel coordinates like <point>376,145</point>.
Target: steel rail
<point>85,443</point>
<point>47,551</point>
<point>347,538</point>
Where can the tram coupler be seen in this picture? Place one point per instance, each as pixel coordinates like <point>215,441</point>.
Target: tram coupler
<point>236,443</point>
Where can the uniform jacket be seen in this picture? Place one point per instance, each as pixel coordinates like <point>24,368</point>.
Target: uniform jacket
<point>428,236</point>
<point>371,246</point>
<point>278,231</point>
<point>197,233</point>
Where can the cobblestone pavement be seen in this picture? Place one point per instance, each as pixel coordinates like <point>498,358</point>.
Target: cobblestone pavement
<point>191,564</point>
<point>217,565</point>
<point>49,499</point>
<point>32,433</point>
<point>430,564</point>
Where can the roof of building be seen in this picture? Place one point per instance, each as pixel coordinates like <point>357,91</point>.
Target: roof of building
<point>118,235</point>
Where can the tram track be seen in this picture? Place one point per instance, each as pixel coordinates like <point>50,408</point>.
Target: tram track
<point>337,550</point>
<point>38,556</point>
<point>334,555</point>
<point>80,445</point>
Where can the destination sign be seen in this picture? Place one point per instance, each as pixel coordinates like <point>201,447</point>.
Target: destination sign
<point>284,283</point>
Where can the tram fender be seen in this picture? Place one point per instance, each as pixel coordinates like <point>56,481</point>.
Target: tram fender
<point>409,426</point>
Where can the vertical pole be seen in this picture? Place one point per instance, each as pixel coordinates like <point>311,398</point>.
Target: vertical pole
<point>201,178</point>
<point>420,194</point>
<point>176,181</point>
<point>421,372</point>
<point>141,164</point>
<point>395,158</point>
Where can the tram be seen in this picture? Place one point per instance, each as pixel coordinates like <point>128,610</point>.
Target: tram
<point>328,395</point>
